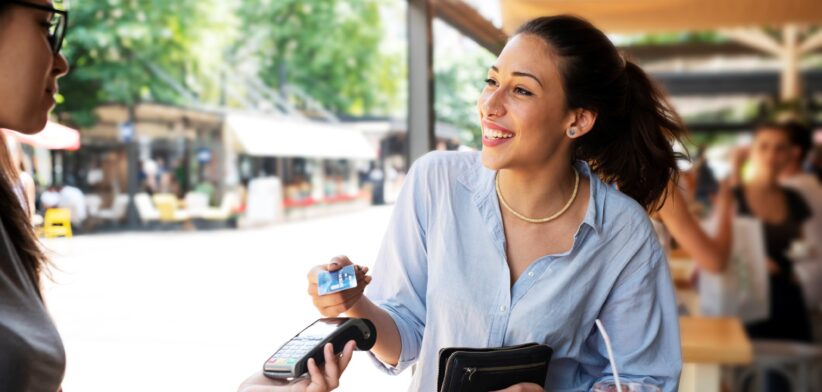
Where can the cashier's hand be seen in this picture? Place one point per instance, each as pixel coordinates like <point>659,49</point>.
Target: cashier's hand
<point>332,305</point>
<point>523,387</point>
<point>321,380</point>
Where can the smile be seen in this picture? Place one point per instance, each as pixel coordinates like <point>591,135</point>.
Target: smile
<point>494,135</point>
<point>491,134</point>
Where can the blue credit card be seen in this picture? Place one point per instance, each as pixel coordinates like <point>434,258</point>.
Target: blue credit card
<point>339,280</point>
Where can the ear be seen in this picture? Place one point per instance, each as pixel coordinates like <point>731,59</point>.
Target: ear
<point>582,121</point>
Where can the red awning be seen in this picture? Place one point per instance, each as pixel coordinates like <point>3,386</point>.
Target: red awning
<point>54,137</point>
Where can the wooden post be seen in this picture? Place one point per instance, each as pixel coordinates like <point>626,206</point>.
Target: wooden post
<point>420,80</point>
<point>789,82</point>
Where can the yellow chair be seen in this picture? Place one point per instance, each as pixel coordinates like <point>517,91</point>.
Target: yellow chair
<point>166,205</point>
<point>57,223</point>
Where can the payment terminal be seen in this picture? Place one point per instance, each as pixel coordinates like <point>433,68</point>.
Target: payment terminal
<point>291,359</point>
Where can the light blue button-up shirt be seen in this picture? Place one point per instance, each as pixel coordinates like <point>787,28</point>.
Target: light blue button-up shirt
<point>443,277</point>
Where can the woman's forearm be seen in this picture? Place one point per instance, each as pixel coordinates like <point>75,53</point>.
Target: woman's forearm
<point>724,234</point>
<point>710,254</point>
<point>389,344</point>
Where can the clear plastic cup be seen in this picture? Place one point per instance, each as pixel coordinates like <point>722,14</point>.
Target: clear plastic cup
<point>626,387</point>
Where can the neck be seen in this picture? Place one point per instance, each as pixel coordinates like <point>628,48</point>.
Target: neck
<point>538,192</point>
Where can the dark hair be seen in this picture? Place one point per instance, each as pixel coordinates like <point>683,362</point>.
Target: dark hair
<point>15,218</point>
<point>631,142</point>
<point>801,136</point>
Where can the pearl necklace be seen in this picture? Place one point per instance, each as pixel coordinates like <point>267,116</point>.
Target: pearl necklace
<point>540,220</point>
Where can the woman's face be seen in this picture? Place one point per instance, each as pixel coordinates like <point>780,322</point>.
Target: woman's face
<point>770,152</point>
<point>522,107</point>
<point>28,68</point>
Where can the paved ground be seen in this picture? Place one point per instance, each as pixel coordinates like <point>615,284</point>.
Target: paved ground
<point>198,311</point>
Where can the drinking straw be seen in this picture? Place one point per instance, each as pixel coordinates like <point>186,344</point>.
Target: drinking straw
<point>610,353</point>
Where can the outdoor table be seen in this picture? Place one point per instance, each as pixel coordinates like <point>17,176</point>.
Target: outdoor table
<point>707,344</point>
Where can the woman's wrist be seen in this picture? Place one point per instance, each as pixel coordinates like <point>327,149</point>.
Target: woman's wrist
<point>363,308</point>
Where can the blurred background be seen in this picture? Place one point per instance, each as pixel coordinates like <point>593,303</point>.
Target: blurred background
<point>206,153</point>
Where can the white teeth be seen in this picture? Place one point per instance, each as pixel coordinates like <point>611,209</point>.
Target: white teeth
<point>492,134</point>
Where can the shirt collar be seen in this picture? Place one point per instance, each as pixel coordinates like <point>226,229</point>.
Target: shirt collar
<point>480,181</point>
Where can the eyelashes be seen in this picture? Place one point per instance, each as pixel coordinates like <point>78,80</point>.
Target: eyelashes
<point>517,90</point>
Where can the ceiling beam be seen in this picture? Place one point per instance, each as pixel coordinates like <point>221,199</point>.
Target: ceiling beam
<point>470,23</point>
<point>729,83</point>
<point>811,43</point>
<point>648,53</point>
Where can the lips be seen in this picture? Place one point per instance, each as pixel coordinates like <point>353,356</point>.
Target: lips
<point>494,135</point>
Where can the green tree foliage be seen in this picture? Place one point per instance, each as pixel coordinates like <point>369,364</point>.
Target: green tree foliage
<point>112,45</point>
<point>328,48</point>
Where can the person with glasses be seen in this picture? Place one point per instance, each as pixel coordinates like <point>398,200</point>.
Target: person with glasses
<point>31,351</point>
<point>32,357</point>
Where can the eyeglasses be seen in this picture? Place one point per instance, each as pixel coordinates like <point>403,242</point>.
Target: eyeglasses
<point>57,25</point>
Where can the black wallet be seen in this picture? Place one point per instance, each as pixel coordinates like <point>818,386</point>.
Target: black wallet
<point>489,369</point>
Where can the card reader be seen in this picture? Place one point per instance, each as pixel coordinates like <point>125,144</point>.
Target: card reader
<point>291,359</point>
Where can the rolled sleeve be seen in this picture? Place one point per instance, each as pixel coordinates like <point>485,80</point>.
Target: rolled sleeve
<point>400,271</point>
<point>410,343</point>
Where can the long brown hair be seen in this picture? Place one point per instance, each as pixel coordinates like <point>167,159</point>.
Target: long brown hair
<point>15,218</point>
<point>631,142</point>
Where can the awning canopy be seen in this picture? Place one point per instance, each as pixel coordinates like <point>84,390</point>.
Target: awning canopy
<point>647,16</point>
<point>54,137</point>
<point>258,135</point>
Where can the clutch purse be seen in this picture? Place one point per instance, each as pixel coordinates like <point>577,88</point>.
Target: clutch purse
<point>489,369</point>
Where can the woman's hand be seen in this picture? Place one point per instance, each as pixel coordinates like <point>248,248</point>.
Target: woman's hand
<point>332,305</point>
<point>523,387</point>
<point>738,158</point>
<point>320,380</point>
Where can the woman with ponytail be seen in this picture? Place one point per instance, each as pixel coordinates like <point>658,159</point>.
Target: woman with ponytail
<point>530,240</point>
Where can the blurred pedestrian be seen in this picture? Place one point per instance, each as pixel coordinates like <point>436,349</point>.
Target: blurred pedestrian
<point>50,198</point>
<point>809,250</point>
<point>783,213</point>
<point>73,199</point>
<point>377,179</point>
<point>31,351</point>
<point>804,182</point>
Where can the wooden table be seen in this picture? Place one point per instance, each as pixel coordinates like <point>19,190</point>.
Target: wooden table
<point>707,344</point>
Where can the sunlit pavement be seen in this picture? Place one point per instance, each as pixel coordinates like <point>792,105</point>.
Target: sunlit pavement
<point>198,311</point>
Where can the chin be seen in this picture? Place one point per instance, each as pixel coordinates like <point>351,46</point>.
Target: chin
<point>491,160</point>
<point>33,124</point>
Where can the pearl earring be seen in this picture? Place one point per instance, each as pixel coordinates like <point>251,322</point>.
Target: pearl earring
<point>572,132</point>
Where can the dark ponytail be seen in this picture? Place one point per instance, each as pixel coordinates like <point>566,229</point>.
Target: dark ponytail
<point>631,143</point>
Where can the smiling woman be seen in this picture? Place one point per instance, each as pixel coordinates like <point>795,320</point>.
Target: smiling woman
<point>529,240</point>
<point>31,351</point>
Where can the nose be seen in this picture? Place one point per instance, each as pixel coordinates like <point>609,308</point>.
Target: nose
<point>60,67</point>
<point>491,104</point>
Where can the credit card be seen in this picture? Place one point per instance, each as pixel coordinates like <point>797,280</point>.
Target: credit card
<point>336,281</point>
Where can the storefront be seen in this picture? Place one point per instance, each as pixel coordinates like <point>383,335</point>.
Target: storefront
<point>319,164</point>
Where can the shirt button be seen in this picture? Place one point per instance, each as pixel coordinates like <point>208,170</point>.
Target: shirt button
<point>531,273</point>
<point>503,308</point>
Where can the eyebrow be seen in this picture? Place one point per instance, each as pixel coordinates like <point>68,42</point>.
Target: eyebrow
<point>520,73</point>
